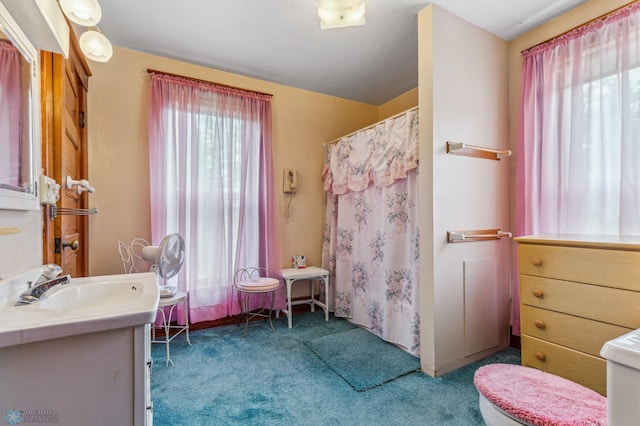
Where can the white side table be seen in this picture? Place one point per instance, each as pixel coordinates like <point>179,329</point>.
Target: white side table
<point>180,297</point>
<point>311,273</point>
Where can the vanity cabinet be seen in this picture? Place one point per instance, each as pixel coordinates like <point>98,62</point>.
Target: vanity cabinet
<point>576,293</point>
<point>100,378</point>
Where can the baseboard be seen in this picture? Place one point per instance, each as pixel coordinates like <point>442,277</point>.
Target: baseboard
<point>297,309</point>
<point>514,341</point>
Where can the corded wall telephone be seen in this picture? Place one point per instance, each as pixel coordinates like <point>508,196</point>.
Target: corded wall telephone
<point>290,181</point>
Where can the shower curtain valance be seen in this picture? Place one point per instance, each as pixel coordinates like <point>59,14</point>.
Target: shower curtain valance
<point>378,155</point>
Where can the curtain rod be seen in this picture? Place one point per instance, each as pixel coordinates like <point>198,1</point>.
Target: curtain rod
<point>369,126</point>
<point>206,82</point>
<point>603,16</point>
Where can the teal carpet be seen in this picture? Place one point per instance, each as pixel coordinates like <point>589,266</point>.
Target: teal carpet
<point>275,379</point>
<point>362,359</point>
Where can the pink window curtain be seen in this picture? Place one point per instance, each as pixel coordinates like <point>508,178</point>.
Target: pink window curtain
<point>579,134</point>
<point>10,107</point>
<point>370,242</point>
<point>212,182</point>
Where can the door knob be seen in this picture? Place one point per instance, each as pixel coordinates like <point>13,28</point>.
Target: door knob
<point>73,245</point>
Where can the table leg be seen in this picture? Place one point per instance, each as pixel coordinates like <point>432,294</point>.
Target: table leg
<point>326,297</point>
<point>289,312</point>
<point>313,293</point>
<point>186,316</point>
<point>165,325</point>
<point>246,315</point>
<point>273,300</point>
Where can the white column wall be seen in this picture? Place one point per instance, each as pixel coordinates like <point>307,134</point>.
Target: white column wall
<point>463,97</point>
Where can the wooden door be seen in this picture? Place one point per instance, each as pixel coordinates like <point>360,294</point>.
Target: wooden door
<point>65,85</point>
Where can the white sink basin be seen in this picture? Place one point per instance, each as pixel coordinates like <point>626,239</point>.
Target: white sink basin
<point>85,305</point>
<point>92,294</point>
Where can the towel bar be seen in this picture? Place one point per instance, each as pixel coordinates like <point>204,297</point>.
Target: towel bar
<point>478,235</point>
<point>55,211</point>
<point>460,148</point>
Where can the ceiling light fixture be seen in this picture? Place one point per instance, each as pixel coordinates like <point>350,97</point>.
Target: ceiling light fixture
<point>83,12</point>
<point>340,13</point>
<point>87,13</point>
<point>95,45</point>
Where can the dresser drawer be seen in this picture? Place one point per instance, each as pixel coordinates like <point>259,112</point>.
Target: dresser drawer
<point>567,330</point>
<point>610,268</point>
<point>587,370</point>
<point>618,307</point>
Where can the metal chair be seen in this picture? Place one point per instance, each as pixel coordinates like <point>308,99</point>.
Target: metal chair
<point>126,257</point>
<point>249,281</point>
<point>135,248</point>
<point>130,255</point>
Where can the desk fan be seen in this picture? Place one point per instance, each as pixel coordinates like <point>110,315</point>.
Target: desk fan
<point>166,260</point>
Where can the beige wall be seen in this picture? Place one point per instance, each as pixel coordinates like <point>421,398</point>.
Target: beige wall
<point>118,152</point>
<point>397,105</point>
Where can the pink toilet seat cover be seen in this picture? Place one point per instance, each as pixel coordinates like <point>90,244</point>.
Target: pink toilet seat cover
<point>540,398</point>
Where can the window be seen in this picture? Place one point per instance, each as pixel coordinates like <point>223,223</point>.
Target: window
<point>211,179</point>
<point>579,140</point>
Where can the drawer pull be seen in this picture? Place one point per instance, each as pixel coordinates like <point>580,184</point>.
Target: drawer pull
<point>538,293</point>
<point>540,356</point>
<point>539,324</point>
<point>536,261</point>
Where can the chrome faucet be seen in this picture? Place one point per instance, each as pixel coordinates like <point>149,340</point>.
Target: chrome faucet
<point>45,282</point>
<point>49,272</point>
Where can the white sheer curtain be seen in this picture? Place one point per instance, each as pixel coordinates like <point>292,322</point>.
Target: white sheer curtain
<point>580,131</point>
<point>212,182</point>
<point>371,230</point>
<point>578,154</point>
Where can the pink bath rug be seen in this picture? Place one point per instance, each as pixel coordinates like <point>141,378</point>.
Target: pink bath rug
<point>540,398</point>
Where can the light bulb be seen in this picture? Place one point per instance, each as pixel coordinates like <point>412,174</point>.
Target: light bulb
<point>95,46</point>
<point>83,12</point>
<point>340,13</point>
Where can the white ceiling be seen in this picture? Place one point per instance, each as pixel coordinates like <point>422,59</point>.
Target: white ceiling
<point>281,40</point>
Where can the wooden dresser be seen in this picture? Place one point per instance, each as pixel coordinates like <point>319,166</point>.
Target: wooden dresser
<point>576,293</point>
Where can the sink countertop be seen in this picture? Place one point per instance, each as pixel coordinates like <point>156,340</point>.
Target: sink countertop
<point>43,321</point>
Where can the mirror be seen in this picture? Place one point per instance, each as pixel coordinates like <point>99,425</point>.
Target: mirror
<point>19,117</point>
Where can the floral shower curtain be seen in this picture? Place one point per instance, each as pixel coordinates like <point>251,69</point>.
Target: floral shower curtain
<point>371,229</point>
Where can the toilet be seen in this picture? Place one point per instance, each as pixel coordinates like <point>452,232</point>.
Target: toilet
<point>516,395</point>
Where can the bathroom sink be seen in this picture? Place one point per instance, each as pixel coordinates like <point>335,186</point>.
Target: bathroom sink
<point>85,305</point>
<point>91,295</point>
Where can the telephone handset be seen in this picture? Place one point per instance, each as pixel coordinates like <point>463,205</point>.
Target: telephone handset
<point>290,181</point>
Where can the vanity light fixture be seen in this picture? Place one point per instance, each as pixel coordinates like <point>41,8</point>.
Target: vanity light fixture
<point>87,13</point>
<point>83,12</point>
<point>340,13</point>
<point>95,45</point>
